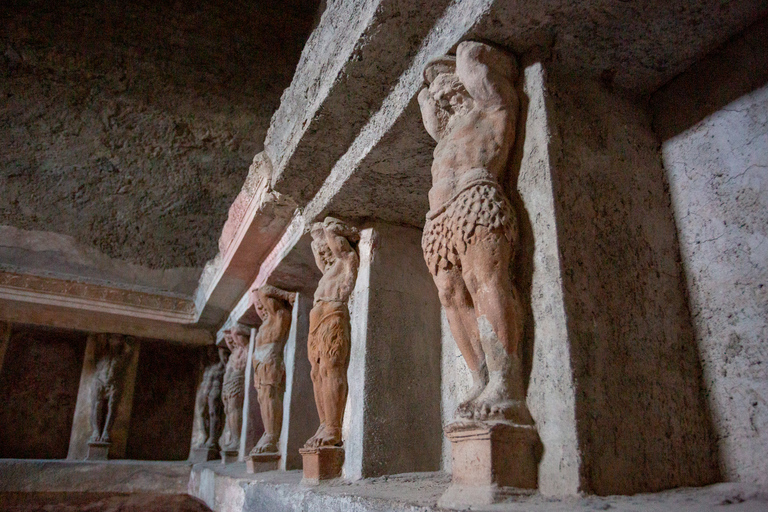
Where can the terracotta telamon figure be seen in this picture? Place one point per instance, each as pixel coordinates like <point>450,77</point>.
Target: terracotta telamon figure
<point>274,308</point>
<point>114,354</point>
<point>209,403</point>
<point>470,108</point>
<point>329,328</point>
<point>233,384</point>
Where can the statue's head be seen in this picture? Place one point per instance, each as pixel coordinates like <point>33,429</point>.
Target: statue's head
<point>241,334</point>
<point>258,304</point>
<point>450,93</point>
<point>223,355</point>
<point>320,246</point>
<point>341,228</point>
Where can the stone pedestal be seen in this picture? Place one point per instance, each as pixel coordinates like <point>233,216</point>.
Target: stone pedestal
<point>262,462</point>
<point>229,456</point>
<point>491,461</point>
<point>98,451</point>
<point>197,455</point>
<point>323,463</point>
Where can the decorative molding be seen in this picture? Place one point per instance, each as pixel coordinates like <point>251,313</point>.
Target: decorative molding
<point>78,295</point>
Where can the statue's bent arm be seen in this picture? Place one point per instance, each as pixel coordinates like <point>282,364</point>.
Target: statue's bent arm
<point>486,73</point>
<point>429,108</point>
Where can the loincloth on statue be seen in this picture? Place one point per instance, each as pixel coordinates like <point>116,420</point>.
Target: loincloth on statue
<point>329,333</point>
<point>451,228</point>
<point>269,372</point>
<point>233,385</point>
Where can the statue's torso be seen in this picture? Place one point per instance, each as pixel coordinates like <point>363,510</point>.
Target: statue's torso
<point>478,140</point>
<point>338,281</point>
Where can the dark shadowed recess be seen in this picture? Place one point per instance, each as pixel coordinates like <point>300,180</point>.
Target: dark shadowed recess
<point>39,381</point>
<point>163,402</point>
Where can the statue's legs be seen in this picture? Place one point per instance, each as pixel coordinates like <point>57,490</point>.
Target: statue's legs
<point>460,310</point>
<point>111,401</point>
<point>313,352</point>
<point>271,404</point>
<point>333,341</point>
<point>212,417</point>
<point>485,269</point>
<point>97,412</point>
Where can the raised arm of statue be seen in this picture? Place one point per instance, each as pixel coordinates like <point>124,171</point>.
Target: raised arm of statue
<point>430,113</point>
<point>487,74</point>
<point>276,293</point>
<point>319,245</point>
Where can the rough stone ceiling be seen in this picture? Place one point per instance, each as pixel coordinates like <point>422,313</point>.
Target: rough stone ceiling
<point>635,47</point>
<point>131,125</point>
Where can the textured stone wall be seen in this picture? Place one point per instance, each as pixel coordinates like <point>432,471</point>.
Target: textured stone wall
<point>131,125</point>
<point>163,402</point>
<point>642,422</point>
<point>718,175</point>
<point>38,386</point>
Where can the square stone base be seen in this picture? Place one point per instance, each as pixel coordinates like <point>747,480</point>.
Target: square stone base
<point>323,463</point>
<point>98,451</point>
<point>261,462</point>
<point>491,461</point>
<point>229,456</point>
<point>198,455</point>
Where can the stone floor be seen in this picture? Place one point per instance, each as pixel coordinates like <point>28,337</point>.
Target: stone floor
<point>98,502</point>
<point>229,489</point>
<point>141,486</point>
<point>114,476</point>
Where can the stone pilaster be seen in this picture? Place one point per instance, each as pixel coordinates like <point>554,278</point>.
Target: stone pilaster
<point>299,411</point>
<point>615,381</point>
<point>252,428</point>
<point>392,419</point>
<point>81,426</point>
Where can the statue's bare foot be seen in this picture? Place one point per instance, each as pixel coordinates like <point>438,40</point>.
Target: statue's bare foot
<point>479,383</point>
<point>495,403</point>
<point>311,441</point>
<point>267,444</point>
<point>330,436</point>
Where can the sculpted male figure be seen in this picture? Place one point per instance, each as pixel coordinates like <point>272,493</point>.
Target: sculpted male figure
<point>329,327</point>
<point>114,354</point>
<point>209,403</point>
<point>233,385</point>
<point>274,308</point>
<point>470,108</point>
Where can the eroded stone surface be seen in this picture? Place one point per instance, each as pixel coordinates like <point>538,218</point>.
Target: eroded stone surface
<point>136,140</point>
<point>718,175</point>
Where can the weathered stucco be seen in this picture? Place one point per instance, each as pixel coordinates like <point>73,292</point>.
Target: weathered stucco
<point>718,175</point>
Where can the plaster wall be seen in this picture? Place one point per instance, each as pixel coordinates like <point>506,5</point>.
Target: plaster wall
<point>718,176</point>
<point>393,412</point>
<point>38,390</point>
<point>163,403</point>
<point>641,420</point>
